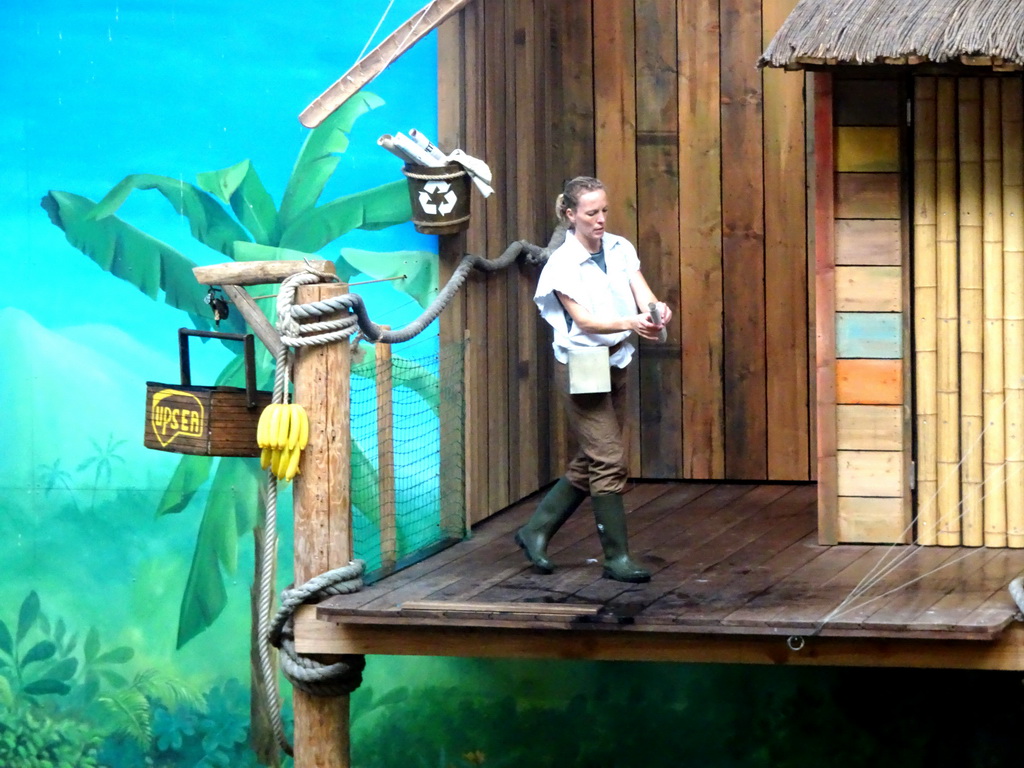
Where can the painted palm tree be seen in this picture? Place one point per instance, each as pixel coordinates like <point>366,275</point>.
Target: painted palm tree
<point>102,462</point>
<point>54,478</point>
<point>231,212</point>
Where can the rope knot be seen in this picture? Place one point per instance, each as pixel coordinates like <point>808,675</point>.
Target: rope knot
<point>314,677</point>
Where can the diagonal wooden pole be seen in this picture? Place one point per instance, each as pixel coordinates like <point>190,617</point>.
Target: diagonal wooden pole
<point>379,59</point>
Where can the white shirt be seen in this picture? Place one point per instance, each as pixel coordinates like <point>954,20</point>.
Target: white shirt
<point>571,270</point>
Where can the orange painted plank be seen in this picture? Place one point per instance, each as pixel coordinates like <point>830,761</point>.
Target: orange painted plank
<point>869,382</point>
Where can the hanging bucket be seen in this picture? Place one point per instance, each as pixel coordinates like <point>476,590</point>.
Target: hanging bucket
<point>439,197</point>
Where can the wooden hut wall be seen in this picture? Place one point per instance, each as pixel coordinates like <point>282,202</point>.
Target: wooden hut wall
<point>704,158</point>
<point>863,278</point>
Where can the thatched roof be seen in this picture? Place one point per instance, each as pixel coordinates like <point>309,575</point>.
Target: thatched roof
<point>985,32</point>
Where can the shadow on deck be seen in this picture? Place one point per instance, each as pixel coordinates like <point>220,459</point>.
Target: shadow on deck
<point>727,559</point>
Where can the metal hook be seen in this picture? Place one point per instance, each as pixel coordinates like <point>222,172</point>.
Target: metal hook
<point>795,643</point>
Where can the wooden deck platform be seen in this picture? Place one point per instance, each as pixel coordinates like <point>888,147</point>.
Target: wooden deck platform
<point>735,566</point>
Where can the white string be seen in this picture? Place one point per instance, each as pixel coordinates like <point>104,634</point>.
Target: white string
<point>881,569</point>
<point>375,31</point>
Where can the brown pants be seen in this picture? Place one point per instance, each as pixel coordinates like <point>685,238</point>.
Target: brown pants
<point>597,422</point>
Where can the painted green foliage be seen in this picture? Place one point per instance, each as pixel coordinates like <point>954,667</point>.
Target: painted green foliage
<point>231,212</point>
<point>68,702</point>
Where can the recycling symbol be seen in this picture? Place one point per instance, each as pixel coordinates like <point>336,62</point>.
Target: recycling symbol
<point>437,197</point>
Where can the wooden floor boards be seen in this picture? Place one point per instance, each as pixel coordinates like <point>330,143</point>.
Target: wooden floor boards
<point>736,559</point>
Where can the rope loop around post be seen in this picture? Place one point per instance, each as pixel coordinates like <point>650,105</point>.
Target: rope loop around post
<point>305,673</point>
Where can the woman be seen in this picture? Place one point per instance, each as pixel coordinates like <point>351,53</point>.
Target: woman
<point>592,293</point>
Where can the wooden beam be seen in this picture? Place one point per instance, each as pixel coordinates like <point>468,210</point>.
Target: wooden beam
<point>379,59</point>
<point>254,316</point>
<point>255,272</point>
<point>312,635</point>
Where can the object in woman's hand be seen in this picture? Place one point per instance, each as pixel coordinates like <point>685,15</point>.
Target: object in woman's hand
<point>656,318</point>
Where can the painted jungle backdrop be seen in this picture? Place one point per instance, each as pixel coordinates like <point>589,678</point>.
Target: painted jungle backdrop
<point>140,137</point>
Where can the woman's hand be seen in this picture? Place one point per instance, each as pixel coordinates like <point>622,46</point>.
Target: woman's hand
<point>645,327</point>
<point>665,312</point>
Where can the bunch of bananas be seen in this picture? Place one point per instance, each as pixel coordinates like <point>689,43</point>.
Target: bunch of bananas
<point>282,433</point>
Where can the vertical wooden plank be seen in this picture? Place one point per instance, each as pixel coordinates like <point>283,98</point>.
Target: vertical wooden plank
<point>700,233</point>
<point>478,458</point>
<point>569,100</point>
<point>452,94</point>
<point>972,324</point>
<point>615,114</point>
<point>661,424</point>
<point>529,431</point>
<point>743,259</point>
<point>512,146</point>
<point>386,457</point>
<point>496,350</point>
<point>948,357</point>
<point>785,264</point>
<point>322,519</point>
<point>992,234</point>
<point>925,306</point>
<point>824,302</point>
<point>1013,304</point>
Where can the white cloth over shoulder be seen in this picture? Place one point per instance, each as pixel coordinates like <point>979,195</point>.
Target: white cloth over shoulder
<point>571,271</point>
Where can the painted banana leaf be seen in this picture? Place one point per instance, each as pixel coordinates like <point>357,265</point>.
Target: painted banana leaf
<point>405,373</point>
<point>240,187</point>
<point>209,222</point>
<point>319,157</point>
<point>372,209</point>
<point>122,250</point>
<point>412,272</point>
<point>230,512</point>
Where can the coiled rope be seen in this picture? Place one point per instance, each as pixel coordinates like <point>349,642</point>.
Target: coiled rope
<point>343,316</point>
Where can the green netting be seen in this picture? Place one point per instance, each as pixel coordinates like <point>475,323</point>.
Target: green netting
<point>425,452</point>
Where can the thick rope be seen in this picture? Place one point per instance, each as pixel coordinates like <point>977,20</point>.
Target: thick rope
<point>349,316</point>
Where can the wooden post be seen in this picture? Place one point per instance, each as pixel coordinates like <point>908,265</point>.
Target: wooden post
<point>925,287</point>
<point>386,457</point>
<point>825,310</point>
<point>322,502</point>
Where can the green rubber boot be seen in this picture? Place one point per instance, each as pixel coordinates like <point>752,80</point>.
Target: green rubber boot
<point>610,514</point>
<point>560,502</point>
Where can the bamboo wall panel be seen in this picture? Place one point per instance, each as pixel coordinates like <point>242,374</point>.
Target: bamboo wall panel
<point>972,325</point>
<point>1013,304</point>
<point>925,307</point>
<point>673,92</point>
<point>948,354</point>
<point>967,223</point>
<point>994,448</point>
